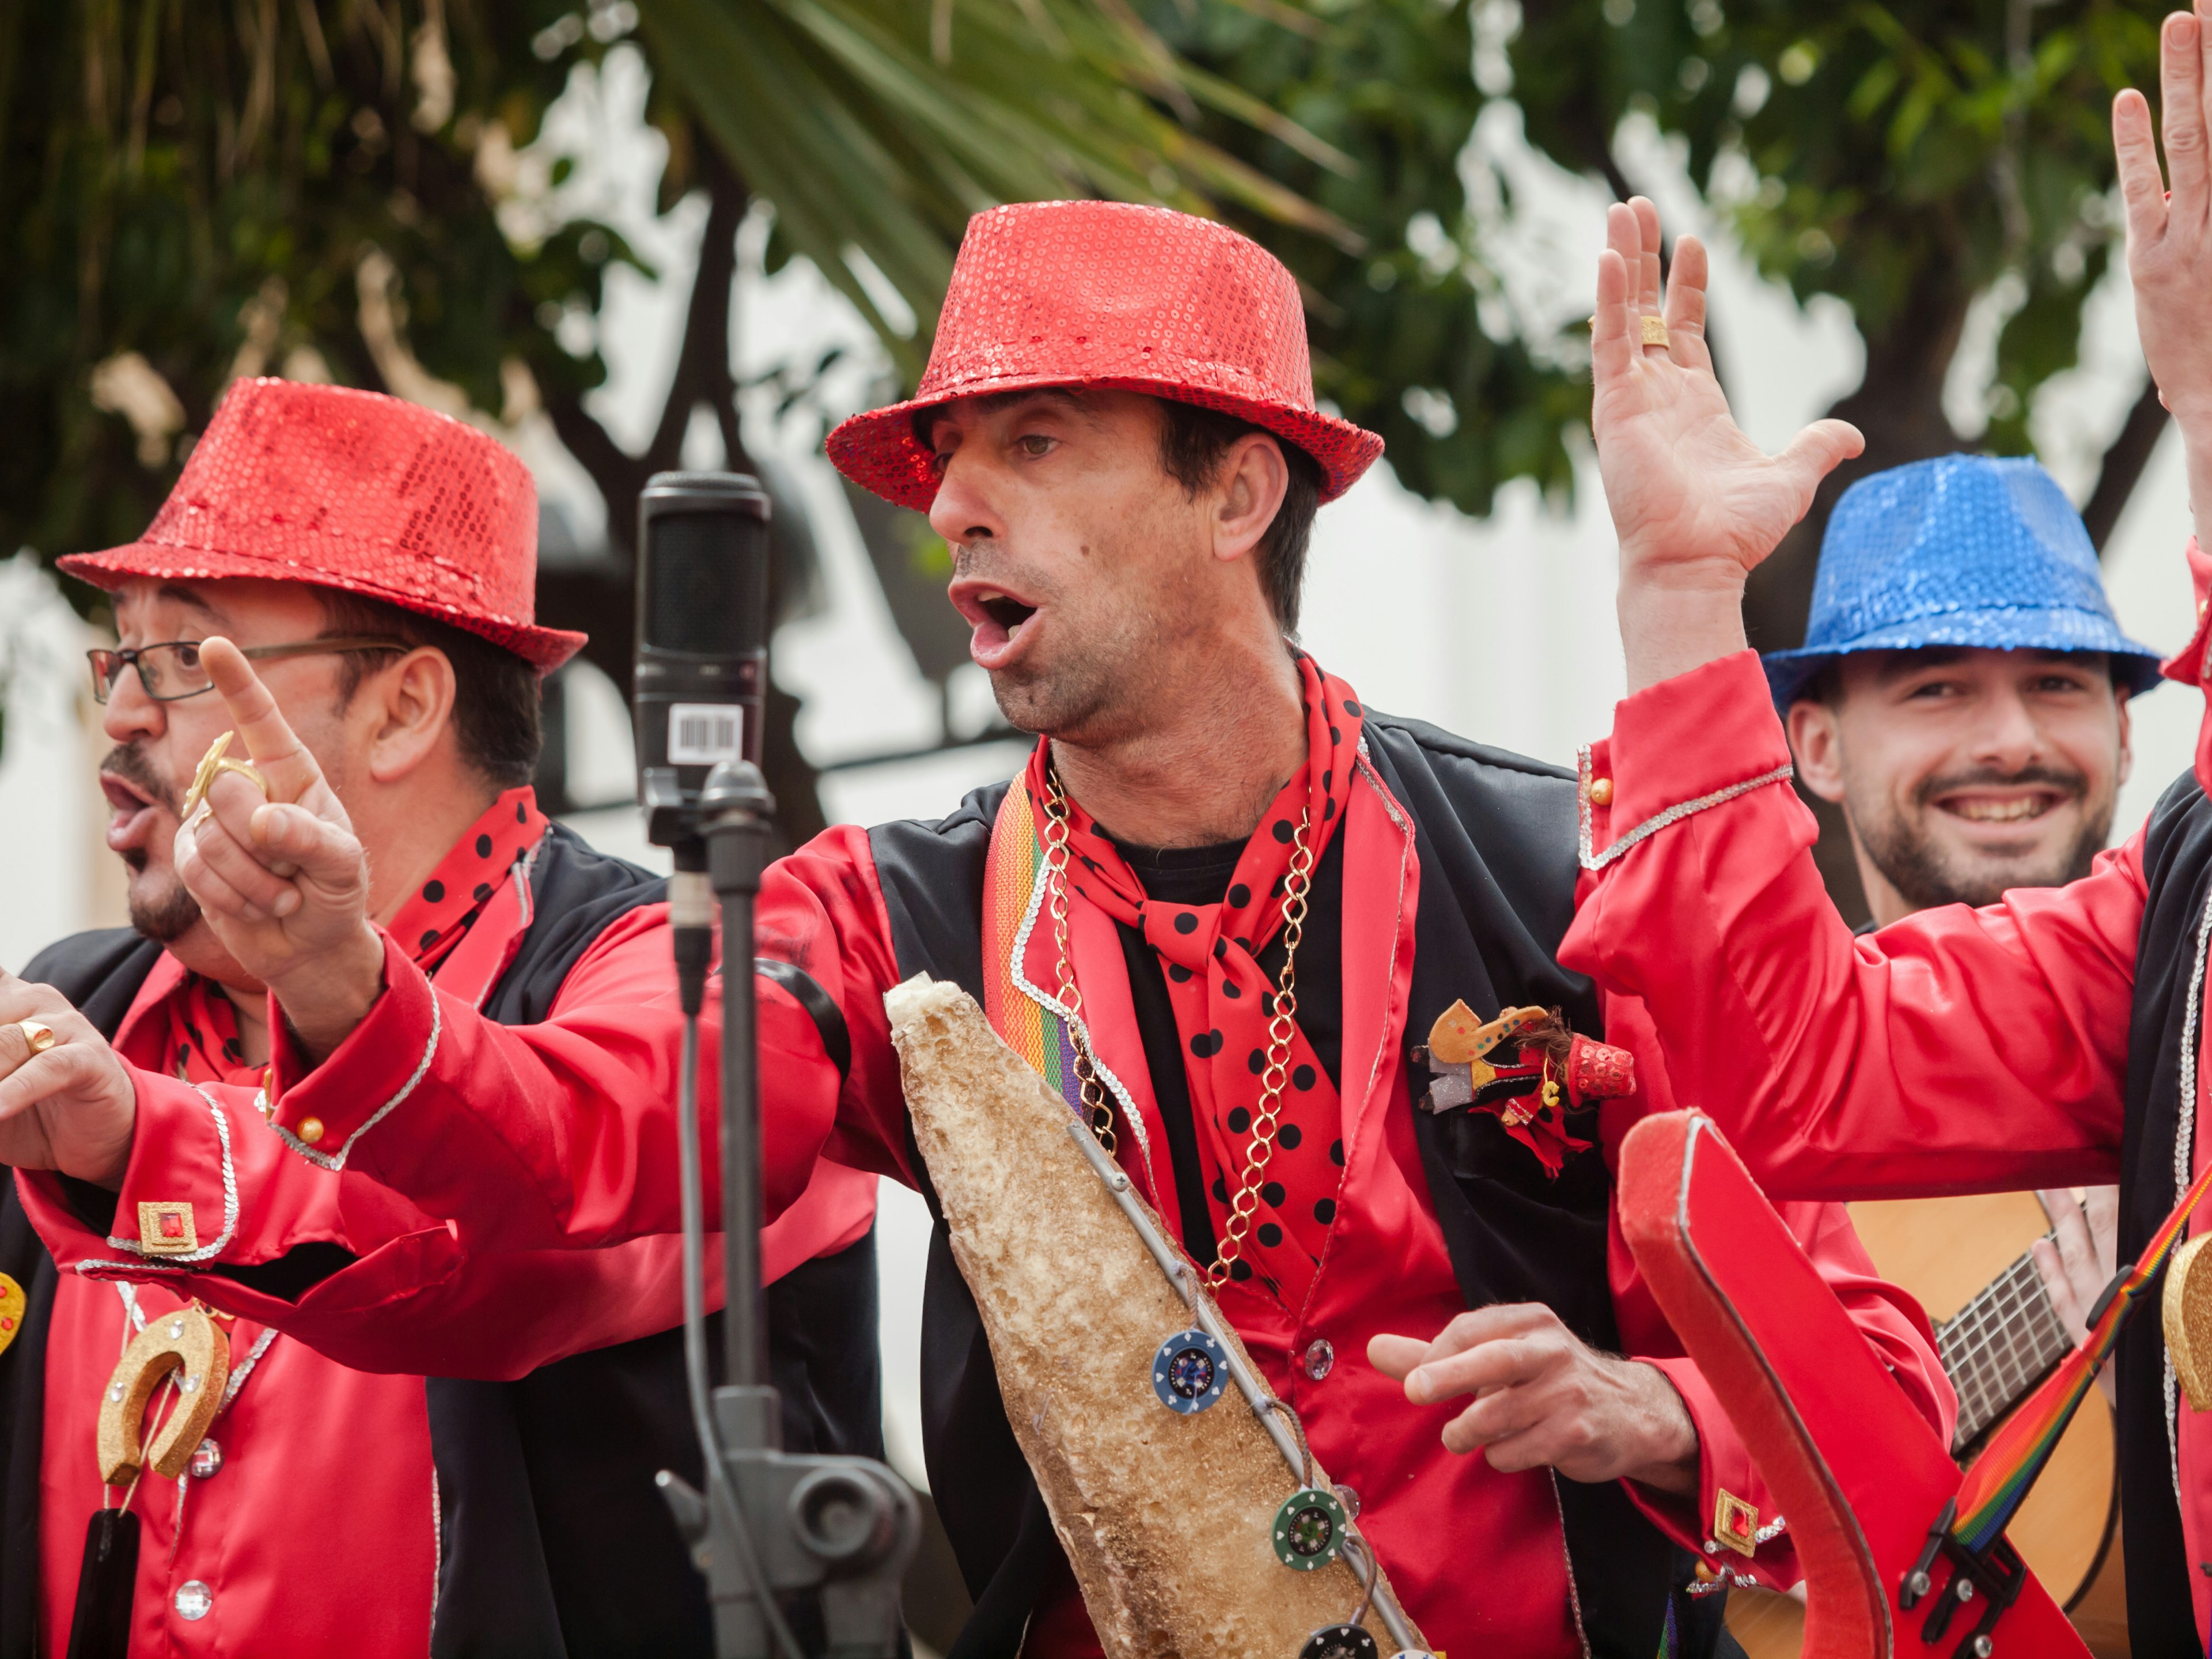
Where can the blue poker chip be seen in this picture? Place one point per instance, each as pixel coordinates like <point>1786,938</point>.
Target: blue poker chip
<point>1189,1372</point>
<point>1309,1530</point>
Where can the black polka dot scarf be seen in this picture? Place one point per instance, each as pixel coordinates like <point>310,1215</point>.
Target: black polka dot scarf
<point>1224,1000</point>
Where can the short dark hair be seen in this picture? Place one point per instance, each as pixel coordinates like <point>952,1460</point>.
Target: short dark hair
<point>1825,684</point>
<point>1192,441</point>
<point>496,693</point>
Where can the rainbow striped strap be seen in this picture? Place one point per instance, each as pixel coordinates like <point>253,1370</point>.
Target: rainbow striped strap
<point>1998,1481</point>
<point>1013,894</point>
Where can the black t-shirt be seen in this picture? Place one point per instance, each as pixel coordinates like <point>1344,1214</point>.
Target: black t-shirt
<point>1201,875</point>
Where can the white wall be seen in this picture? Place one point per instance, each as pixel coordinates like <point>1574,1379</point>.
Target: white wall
<point>49,815</point>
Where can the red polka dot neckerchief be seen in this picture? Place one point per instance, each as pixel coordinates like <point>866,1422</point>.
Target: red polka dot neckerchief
<point>1262,1102</point>
<point>445,906</point>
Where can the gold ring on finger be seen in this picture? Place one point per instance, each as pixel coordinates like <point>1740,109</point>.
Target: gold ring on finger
<point>1655,334</point>
<point>213,765</point>
<point>38,1035</point>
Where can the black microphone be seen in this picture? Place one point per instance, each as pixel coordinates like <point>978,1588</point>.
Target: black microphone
<point>702,553</point>
<point>701,623</point>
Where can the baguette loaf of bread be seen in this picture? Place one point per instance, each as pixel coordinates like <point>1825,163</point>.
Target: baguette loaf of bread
<point>1167,1518</point>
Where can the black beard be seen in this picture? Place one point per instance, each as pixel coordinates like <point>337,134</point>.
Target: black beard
<point>167,919</point>
<point>128,762</point>
<point>1926,876</point>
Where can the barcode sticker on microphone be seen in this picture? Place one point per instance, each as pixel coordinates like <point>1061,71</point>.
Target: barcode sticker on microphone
<point>701,733</point>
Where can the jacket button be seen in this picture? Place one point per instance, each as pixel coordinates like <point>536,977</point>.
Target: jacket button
<point>311,1130</point>
<point>1320,1356</point>
<point>194,1600</point>
<point>1601,792</point>
<point>207,1459</point>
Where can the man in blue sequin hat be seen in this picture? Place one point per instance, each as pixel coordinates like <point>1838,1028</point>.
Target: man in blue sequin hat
<point>1962,694</point>
<point>1962,689</point>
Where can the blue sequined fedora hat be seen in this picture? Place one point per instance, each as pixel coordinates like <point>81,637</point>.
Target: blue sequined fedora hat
<point>1963,550</point>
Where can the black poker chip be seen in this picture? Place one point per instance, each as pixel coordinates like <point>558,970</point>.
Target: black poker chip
<point>1189,1372</point>
<point>1341,1642</point>
<point>1309,1530</point>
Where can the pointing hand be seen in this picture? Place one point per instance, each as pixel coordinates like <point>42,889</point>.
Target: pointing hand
<point>281,878</point>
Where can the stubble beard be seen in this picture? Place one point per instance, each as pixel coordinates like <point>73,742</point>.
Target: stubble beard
<point>1925,874</point>
<point>1088,691</point>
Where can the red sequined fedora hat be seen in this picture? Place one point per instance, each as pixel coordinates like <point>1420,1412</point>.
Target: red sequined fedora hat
<point>356,491</point>
<point>1103,294</point>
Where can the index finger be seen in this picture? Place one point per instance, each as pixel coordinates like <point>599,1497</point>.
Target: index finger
<point>271,742</point>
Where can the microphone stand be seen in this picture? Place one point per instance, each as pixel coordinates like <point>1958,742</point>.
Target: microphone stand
<point>803,1555</point>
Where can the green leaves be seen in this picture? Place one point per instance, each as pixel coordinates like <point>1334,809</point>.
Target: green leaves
<point>865,133</point>
<point>204,184</point>
<point>1396,317</point>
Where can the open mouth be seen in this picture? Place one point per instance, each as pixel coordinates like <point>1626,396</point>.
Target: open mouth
<point>2007,806</point>
<point>999,619</point>
<point>1009,613</point>
<point>131,815</point>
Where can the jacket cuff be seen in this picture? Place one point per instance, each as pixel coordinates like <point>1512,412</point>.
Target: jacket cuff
<point>2188,664</point>
<point>321,1111</point>
<point>1733,1538</point>
<point>1679,747</point>
<point>177,1206</point>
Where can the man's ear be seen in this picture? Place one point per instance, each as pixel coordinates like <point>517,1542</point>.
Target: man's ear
<point>1816,738</point>
<point>1253,480</point>
<point>409,707</point>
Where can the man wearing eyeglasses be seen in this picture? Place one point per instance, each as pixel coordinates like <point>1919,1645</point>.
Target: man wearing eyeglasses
<point>374,562</point>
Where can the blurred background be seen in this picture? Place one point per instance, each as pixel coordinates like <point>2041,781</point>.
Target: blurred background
<point>628,236</point>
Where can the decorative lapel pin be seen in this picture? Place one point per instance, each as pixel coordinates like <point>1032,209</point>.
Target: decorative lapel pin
<point>1526,1069</point>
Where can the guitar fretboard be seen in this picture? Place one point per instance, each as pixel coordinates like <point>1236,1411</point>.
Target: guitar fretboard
<point>1999,1346</point>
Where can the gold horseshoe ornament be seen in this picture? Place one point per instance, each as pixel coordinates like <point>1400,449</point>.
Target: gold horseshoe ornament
<point>213,765</point>
<point>189,1343</point>
<point>2185,1310</point>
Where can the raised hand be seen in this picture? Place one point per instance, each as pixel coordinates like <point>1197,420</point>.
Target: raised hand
<point>281,878</point>
<point>2170,238</point>
<point>1696,503</point>
<point>67,1101</point>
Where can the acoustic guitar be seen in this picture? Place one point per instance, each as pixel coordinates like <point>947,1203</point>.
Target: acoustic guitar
<point>1965,1259</point>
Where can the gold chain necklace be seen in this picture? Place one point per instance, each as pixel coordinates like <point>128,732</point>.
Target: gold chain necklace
<point>1284,1005</point>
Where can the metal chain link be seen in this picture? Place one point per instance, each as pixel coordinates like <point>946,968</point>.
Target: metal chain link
<point>1281,1028</point>
<point>1097,1107</point>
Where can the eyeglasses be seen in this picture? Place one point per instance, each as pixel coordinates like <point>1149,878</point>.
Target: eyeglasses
<point>171,670</point>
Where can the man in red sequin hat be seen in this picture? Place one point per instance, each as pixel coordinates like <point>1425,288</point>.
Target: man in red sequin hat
<point>370,565</point>
<point>1118,439</point>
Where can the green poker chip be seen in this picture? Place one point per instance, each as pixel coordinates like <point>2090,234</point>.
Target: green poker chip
<point>1309,1530</point>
